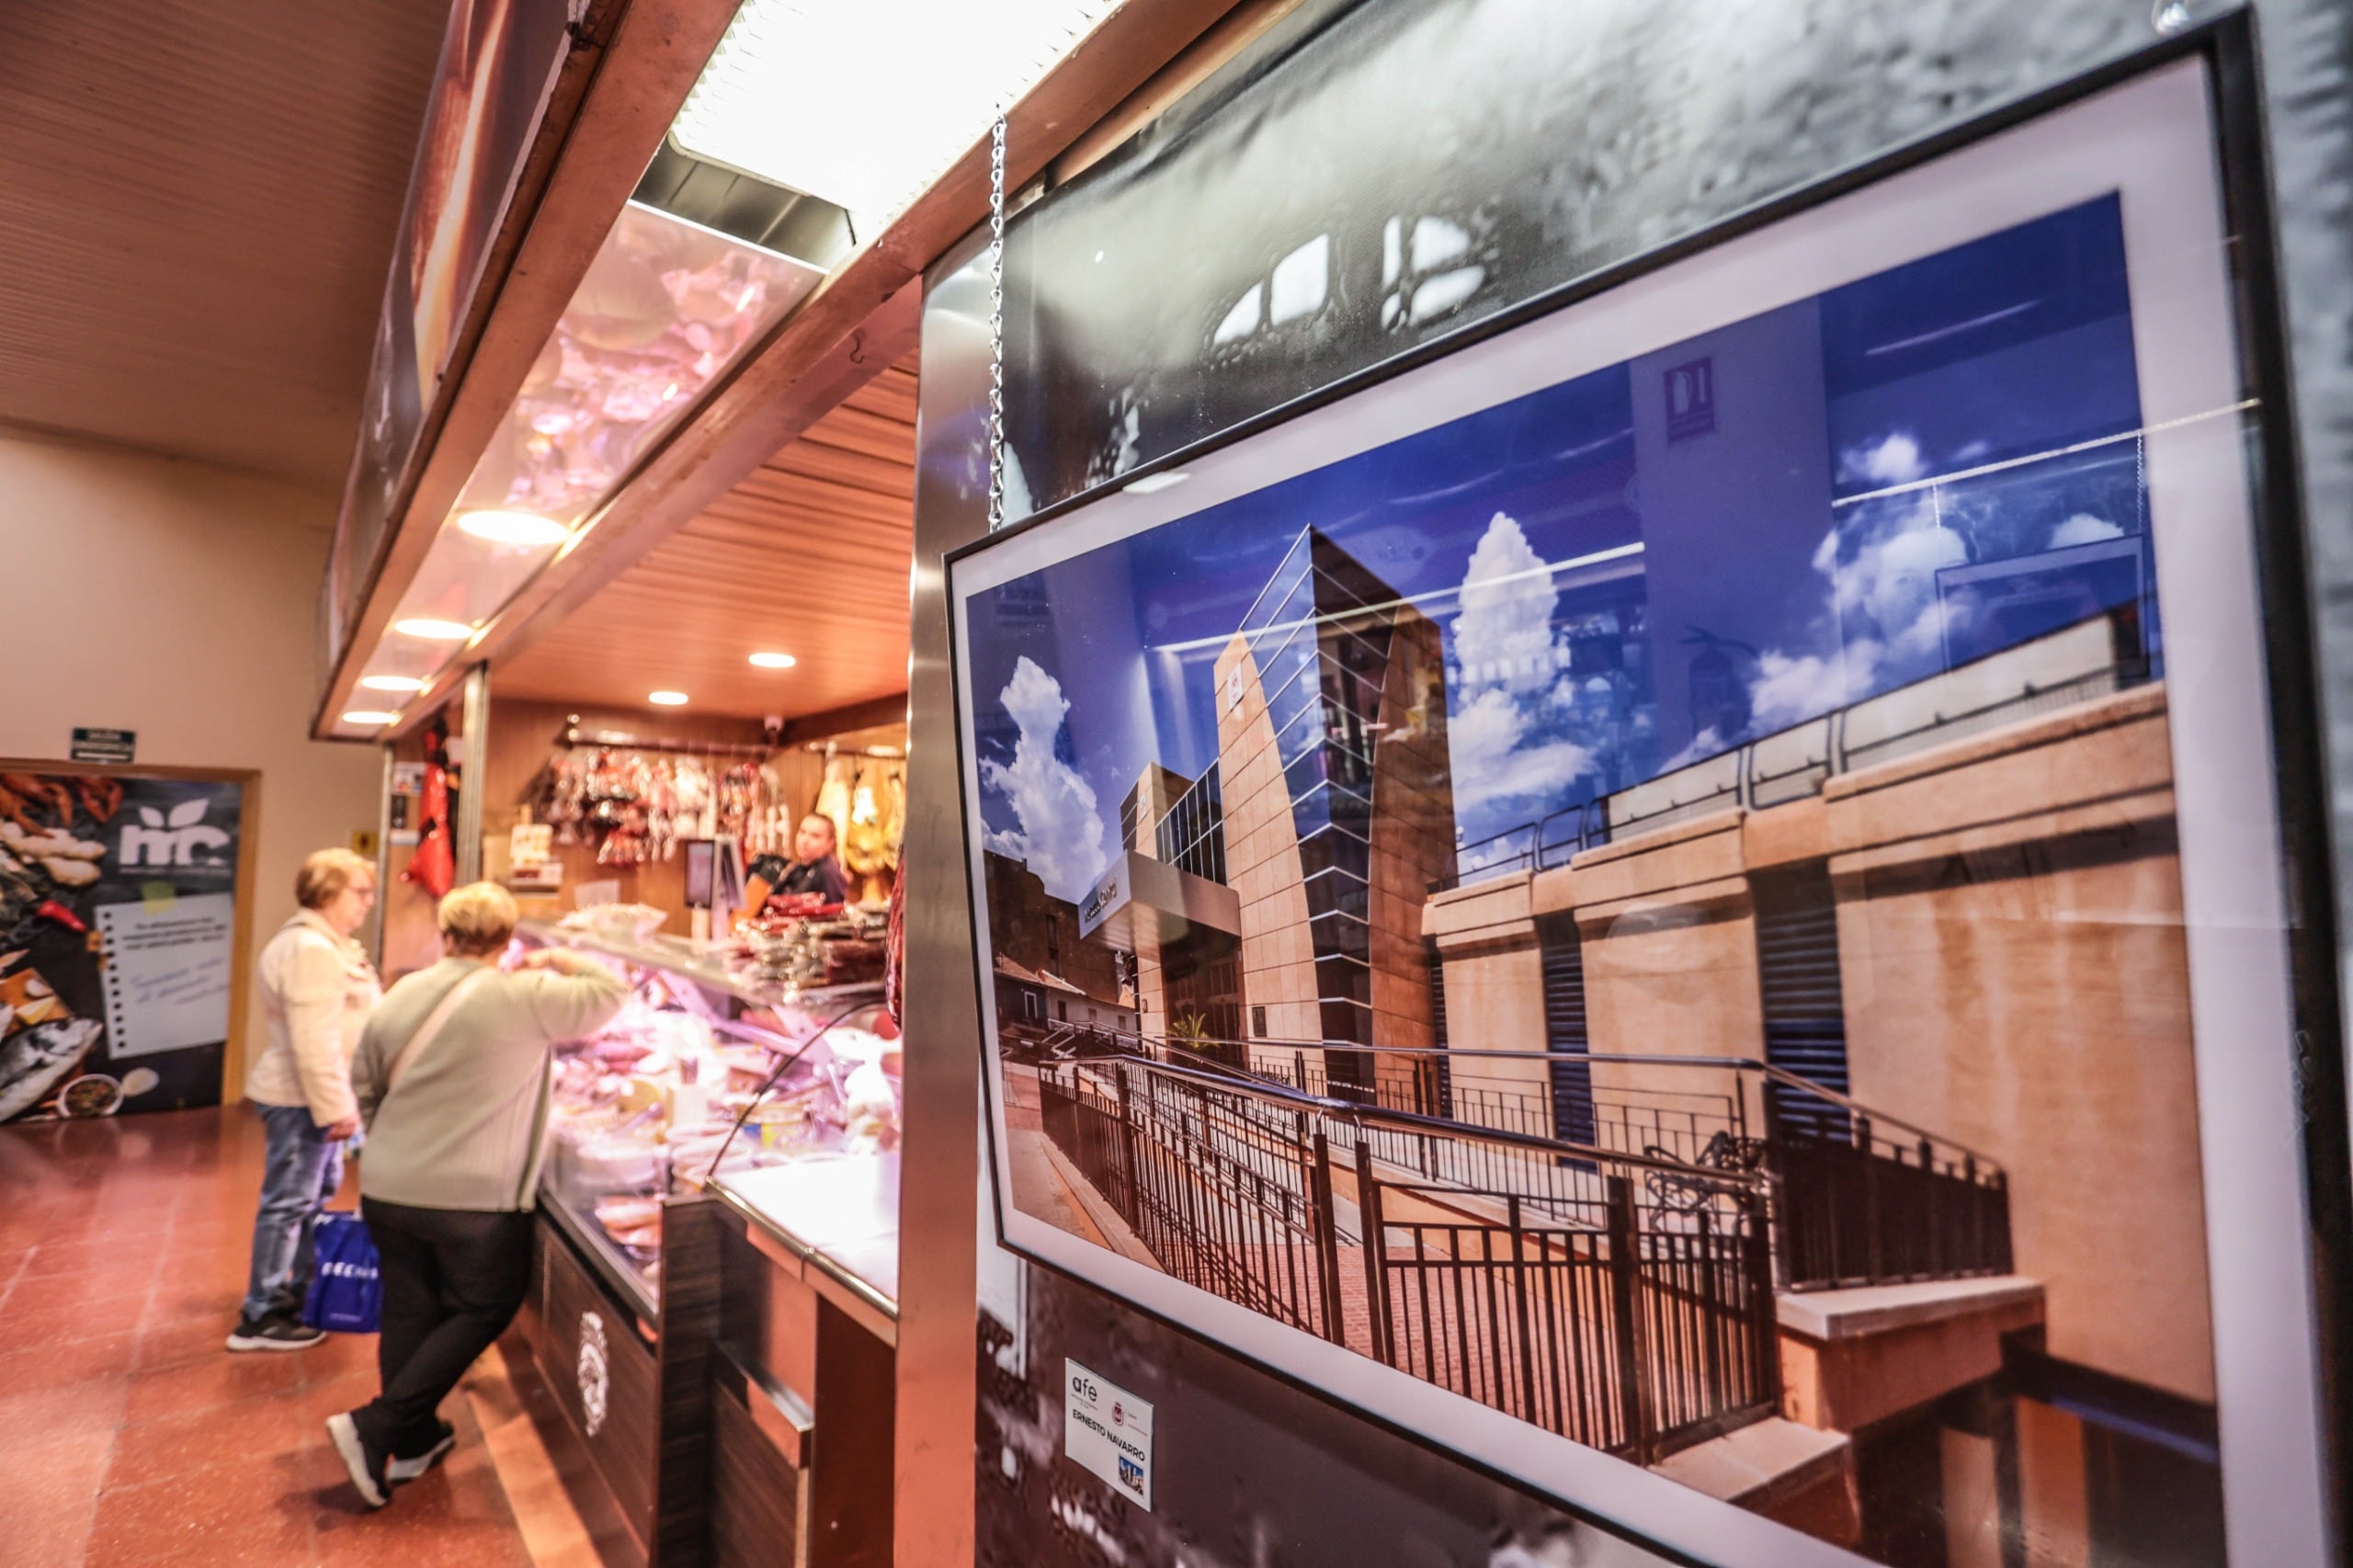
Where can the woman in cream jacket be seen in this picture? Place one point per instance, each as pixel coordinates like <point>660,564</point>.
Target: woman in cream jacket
<point>317,989</point>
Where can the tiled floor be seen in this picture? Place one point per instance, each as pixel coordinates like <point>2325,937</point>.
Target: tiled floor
<point>127,1435</point>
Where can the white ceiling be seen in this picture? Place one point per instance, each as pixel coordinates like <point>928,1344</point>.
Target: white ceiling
<point>198,199</point>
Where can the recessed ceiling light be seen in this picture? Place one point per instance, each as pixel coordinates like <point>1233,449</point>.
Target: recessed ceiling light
<point>369,716</point>
<point>393,683</point>
<point>1152,482</point>
<point>666,699</point>
<point>514,527</point>
<point>774,660</point>
<point>433,631</point>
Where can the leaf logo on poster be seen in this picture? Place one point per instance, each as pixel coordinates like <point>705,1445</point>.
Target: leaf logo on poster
<point>175,840</point>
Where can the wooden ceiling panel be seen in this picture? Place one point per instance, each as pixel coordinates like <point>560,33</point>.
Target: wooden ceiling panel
<point>200,203</point>
<point>809,556</point>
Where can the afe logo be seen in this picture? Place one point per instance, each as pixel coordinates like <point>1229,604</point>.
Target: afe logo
<point>596,1371</point>
<point>158,840</point>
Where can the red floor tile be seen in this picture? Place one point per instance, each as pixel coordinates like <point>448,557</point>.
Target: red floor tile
<point>129,1433</point>
<point>33,1419</point>
<point>52,1499</point>
<point>224,1514</point>
<point>107,1354</point>
<point>89,1258</point>
<point>199,1440</point>
<point>331,1396</point>
<point>342,1353</point>
<point>49,1536</point>
<point>213,1384</point>
<point>168,1345</point>
<point>54,1298</point>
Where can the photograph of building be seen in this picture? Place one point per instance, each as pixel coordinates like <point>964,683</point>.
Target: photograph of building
<point>1657,907</point>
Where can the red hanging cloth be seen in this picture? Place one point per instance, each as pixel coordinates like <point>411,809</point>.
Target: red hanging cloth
<point>434,866</point>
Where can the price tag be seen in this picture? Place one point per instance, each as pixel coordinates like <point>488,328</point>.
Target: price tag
<point>1108,1430</point>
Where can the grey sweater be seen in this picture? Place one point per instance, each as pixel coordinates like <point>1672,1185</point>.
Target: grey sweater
<point>466,1125</point>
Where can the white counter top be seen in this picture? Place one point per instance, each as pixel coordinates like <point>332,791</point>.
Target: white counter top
<point>839,1217</point>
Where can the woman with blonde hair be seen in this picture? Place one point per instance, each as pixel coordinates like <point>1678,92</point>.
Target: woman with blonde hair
<point>317,989</point>
<point>453,1076</point>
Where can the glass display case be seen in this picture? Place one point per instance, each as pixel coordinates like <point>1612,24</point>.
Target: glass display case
<point>720,1187</point>
<point>715,1065</point>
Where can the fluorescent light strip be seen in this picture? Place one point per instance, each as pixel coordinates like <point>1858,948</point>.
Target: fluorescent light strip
<point>427,628</point>
<point>787,96</point>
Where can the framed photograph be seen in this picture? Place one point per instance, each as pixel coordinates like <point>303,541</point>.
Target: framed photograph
<point>1689,895</point>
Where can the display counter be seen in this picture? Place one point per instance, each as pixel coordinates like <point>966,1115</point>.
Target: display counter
<point>717,1262</point>
<point>805,1385</point>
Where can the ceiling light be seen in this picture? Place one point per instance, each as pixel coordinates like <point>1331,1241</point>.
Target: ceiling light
<point>666,699</point>
<point>515,527</point>
<point>370,716</point>
<point>783,84</point>
<point>774,660</point>
<point>433,631</point>
<point>393,683</point>
<point>1152,482</point>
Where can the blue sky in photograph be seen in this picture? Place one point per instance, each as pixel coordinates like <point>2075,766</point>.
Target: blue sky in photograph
<point>1768,546</point>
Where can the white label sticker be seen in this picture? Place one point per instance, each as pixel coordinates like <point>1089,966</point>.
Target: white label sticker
<point>1108,1430</point>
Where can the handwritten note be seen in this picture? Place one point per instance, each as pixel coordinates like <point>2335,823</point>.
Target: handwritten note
<point>167,973</point>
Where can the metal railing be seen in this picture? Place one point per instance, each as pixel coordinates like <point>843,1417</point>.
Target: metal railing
<point>1794,763</point>
<point>1629,1306</point>
<point>1857,1197</point>
<point>1623,1330</point>
<point>1254,1230</point>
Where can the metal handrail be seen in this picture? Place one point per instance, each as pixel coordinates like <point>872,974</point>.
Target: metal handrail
<point>1781,1076</point>
<point>1357,1113</point>
<point>1767,1069</point>
<point>1838,758</point>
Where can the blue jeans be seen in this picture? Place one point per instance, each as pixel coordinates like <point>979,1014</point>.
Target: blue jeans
<point>300,1171</point>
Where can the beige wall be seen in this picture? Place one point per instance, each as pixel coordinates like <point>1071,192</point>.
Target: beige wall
<point>1262,859</point>
<point>2027,993</point>
<point>178,600</point>
<point>1493,973</point>
<point>1669,943</point>
<point>2014,977</point>
<point>1413,834</point>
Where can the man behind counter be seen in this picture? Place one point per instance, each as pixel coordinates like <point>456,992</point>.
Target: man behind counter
<point>813,870</point>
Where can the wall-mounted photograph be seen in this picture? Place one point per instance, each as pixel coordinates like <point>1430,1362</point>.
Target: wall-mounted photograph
<point>1686,899</point>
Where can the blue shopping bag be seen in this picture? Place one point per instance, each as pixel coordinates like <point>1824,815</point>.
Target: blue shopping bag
<point>347,1292</point>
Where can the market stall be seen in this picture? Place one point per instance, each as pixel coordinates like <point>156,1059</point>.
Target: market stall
<point>718,1251</point>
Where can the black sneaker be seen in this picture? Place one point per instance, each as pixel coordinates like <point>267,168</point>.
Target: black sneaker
<point>274,1334</point>
<point>445,1438</point>
<point>366,1463</point>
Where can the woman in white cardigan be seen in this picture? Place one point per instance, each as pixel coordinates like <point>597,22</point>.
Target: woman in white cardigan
<point>317,990</point>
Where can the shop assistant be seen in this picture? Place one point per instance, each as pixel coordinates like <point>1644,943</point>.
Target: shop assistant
<point>813,868</point>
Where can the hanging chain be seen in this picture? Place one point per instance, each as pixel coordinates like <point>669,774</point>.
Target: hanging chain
<point>996,325</point>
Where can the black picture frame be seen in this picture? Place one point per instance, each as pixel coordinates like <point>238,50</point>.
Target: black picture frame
<point>2226,51</point>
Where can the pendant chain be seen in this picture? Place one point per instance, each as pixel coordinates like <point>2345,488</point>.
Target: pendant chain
<point>996,326</point>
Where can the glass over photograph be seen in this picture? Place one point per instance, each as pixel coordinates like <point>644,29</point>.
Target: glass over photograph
<point>1656,906</point>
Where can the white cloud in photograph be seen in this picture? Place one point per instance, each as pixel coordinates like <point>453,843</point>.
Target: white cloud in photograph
<point>1061,835</point>
<point>1504,738</point>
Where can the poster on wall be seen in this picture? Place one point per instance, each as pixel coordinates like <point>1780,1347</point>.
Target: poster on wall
<point>1688,900</point>
<point>118,902</point>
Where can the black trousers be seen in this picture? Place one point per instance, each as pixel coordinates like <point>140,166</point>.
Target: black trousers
<point>453,1280</point>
